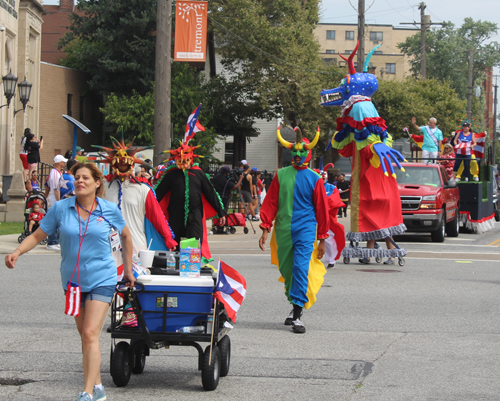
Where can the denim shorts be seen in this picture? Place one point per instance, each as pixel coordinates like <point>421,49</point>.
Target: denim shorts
<point>103,294</point>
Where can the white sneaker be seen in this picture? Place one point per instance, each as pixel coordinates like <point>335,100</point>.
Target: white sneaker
<point>476,178</point>
<point>466,179</point>
<point>55,247</point>
<point>298,326</point>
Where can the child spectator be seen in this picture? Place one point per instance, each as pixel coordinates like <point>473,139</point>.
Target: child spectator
<point>35,217</point>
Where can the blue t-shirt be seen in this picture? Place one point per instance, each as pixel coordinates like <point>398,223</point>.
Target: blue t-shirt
<point>97,266</point>
<point>67,185</point>
<point>429,145</point>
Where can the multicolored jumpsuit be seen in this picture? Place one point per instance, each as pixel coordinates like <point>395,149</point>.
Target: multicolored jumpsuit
<point>297,200</point>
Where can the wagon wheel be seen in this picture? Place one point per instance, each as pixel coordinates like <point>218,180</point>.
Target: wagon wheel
<point>225,355</point>
<point>245,230</point>
<point>233,230</point>
<point>401,261</point>
<point>210,373</point>
<point>378,260</point>
<point>120,364</point>
<point>346,260</point>
<point>138,357</point>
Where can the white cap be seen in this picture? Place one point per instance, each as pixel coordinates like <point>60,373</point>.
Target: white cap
<point>59,159</point>
<point>244,161</point>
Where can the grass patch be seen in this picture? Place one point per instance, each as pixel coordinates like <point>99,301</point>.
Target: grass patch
<point>11,228</point>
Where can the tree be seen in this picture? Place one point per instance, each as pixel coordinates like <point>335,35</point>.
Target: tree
<point>113,40</point>
<point>270,48</point>
<point>398,101</point>
<point>448,49</point>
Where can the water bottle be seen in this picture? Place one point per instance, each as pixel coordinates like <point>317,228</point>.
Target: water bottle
<point>171,262</point>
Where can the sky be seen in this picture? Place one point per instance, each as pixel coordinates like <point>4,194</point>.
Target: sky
<point>394,12</point>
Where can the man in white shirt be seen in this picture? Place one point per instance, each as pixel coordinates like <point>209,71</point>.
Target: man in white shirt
<point>53,189</point>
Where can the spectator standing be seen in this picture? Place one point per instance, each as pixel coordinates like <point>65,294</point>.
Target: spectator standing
<point>433,139</point>
<point>87,224</point>
<point>23,154</point>
<point>260,186</point>
<point>247,191</point>
<point>224,185</point>
<point>67,181</point>
<point>33,147</point>
<point>345,190</point>
<point>54,195</point>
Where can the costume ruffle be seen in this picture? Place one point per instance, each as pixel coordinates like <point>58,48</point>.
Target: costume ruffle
<point>351,252</point>
<point>377,234</point>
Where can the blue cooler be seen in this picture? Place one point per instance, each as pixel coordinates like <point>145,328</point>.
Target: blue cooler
<point>181,298</point>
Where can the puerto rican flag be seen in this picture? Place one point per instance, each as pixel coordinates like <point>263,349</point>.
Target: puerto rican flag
<point>72,300</point>
<point>231,289</point>
<point>193,125</point>
<point>478,150</point>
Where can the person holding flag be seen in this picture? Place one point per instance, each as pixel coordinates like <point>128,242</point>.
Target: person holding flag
<point>185,193</point>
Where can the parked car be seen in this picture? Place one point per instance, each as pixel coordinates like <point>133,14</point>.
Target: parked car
<point>429,201</point>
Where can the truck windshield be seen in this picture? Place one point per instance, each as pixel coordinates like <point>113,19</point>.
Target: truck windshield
<point>418,176</point>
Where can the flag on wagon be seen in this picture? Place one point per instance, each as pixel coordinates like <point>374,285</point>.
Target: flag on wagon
<point>478,150</point>
<point>72,300</point>
<point>231,289</point>
<point>193,125</point>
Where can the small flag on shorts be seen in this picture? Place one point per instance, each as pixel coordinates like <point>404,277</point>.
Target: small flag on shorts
<point>72,300</point>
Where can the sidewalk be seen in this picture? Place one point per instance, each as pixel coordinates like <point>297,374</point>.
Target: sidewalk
<point>8,243</point>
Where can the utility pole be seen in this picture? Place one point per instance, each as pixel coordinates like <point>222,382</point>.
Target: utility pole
<point>361,35</point>
<point>495,123</point>
<point>469,86</point>
<point>425,24</point>
<point>163,78</point>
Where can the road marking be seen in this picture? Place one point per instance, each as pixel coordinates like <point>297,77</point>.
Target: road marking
<point>495,243</point>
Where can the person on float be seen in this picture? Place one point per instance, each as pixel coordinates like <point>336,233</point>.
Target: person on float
<point>136,200</point>
<point>463,143</point>
<point>186,195</point>
<point>297,203</point>
<point>444,159</point>
<point>87,223</point>
<point>432,140</point>
<point>362,135</point>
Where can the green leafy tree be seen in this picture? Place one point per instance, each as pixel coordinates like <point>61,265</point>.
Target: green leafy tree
<point>269,47</point>
<point>448,50</point>
<point>398,101</point>
<point>114,41</point>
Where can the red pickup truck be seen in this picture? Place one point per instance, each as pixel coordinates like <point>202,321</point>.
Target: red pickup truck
<point>429,201</point>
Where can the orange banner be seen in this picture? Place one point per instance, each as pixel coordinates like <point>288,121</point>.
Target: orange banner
<point>191,31</point>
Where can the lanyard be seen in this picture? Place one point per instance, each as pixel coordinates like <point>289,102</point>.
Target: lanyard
<point>101,215</point>
<point>80,238</point>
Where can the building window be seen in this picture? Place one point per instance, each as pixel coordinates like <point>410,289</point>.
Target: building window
<point>378,52</point>
<point>348,52</point>
<point>330,52</point>
<point>376,36</point>
<point>349,35</point>
<point>328,61</point>
<point>330,34</point>
<point>228,152</point>
<point>390,68</point>
<point>70,109</point>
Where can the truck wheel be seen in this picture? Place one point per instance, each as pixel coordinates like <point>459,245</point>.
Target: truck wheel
<point>438,235</point>
<point>453,227</point>
<point>497,215</point>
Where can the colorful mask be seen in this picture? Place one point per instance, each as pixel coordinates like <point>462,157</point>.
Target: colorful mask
<point>360,84</point>
<point>183,156</point>
<point>301,147</point>
<point>120,155</point>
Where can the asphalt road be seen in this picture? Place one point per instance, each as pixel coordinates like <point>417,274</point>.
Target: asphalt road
<point>425,331</point>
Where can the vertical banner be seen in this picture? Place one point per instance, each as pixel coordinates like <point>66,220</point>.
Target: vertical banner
<point>191,31</point>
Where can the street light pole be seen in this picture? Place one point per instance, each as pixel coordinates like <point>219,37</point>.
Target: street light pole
<point>162,78</point>
<point>495,125</point>
<point>361,35</point>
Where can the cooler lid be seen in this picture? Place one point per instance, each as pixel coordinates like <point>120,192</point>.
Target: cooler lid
<point>177,281</point>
